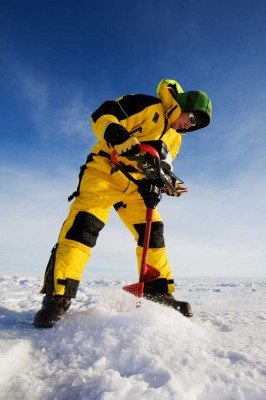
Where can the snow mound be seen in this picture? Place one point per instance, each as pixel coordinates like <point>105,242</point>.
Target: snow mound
<point>107,349</point>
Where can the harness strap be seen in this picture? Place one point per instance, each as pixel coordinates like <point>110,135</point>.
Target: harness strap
<point>126,169</point>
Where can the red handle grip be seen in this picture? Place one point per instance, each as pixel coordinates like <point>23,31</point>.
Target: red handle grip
<point>143,148</point>
<point>146,148</point>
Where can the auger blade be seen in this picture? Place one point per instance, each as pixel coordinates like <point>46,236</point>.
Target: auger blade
<point>137,289</point>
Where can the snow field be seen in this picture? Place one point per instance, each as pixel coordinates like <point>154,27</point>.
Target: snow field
<point>106,349</point>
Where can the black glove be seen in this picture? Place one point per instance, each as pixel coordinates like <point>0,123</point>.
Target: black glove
<point>121,140</point>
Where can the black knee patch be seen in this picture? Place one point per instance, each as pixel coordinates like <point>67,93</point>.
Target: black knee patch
<point>156,239</point>
<point>85,229</point>
<point>158,286</point>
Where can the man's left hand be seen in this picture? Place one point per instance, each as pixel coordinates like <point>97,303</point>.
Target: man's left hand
<point>180,190</point>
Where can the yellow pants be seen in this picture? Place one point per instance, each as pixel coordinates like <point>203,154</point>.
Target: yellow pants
<point>99,191</point>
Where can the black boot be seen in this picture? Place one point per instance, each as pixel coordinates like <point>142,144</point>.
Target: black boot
<point>167,299</point>
<point>53,308</point>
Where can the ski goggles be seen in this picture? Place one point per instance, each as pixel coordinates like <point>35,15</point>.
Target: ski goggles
<point>192,119</point>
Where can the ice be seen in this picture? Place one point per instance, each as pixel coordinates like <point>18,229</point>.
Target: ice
<point>107,349</point>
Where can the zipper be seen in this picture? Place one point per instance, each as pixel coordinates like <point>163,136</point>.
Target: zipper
<point>136,130</point>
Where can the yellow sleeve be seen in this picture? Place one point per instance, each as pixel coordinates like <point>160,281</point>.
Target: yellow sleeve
<point>101,124</point>
<point>173,140</point>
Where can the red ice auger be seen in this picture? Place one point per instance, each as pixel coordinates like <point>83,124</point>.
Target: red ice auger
<point>150,188</point>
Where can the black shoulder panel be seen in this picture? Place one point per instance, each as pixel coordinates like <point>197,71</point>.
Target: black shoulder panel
<point>134,103</point>
<point>109,107</point>
<point>125,107</point>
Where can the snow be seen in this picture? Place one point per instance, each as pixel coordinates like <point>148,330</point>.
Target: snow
<point>107,349</point>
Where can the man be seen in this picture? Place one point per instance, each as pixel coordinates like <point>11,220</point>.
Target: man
<point>121,125</point>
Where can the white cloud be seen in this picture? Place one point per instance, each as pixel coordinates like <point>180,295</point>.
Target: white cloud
<point>36,91</point>
<point>73,117</point>
<point>33,207</point>
<point>218,230</point>
<point>211,231</point>
<point>53,110</point>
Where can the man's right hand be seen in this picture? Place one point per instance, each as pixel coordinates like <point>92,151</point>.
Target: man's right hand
<point>120,139</point>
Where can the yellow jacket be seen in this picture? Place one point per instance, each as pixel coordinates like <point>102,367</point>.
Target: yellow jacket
<point>145,117</point>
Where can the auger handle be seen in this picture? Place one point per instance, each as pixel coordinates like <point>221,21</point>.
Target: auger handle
<point>146,148</point>
<point>143,148</point>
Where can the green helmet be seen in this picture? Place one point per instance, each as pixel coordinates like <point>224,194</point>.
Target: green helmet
<point>199,103</point>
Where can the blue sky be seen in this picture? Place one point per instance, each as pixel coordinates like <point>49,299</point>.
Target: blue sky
<point>61,59</point>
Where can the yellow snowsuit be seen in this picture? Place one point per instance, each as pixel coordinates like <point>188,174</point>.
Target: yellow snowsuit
<point>101,187</point>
